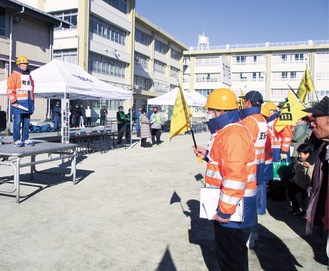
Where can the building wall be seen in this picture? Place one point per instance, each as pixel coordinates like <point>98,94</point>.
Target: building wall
<point>31,37</point>
<point>268,68</point>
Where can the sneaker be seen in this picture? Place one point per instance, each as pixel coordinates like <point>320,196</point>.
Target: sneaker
<point>18,143</point>
<point>28,143</point>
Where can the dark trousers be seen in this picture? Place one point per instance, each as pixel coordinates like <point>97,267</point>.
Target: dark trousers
<point>88,124</point>
<point>103,121</point>
<point>293,190</point>
<point>121,130</point>
<point>156,134</point>
<point>232,252</point>
<point>143,142</point>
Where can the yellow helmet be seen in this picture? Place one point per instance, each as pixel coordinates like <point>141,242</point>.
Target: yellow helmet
<point>265,111</point>
<point>222,99</point>
<point>271,106</point>
<point>21,60</point>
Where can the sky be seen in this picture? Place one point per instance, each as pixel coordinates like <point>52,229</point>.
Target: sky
<point>239,21</point>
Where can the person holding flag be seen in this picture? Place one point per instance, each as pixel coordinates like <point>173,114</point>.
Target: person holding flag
<point>233,151</point>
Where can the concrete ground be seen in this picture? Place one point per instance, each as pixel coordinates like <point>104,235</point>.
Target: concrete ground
<point>135,209</point>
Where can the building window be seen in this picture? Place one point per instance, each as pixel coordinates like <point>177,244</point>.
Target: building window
<point>175,54</point>
<point>70,16</point>
<point>70,56</point>
<point>142,82</point>
<point>207,77</point>
<point>207,61</point>
<point>141,60</point>
<point>243,76</point>
<point>241,59</point>
<point>293,75</point>
<point>107,66</point>
<point>284,75</point>
<point>255,59</point>
<point>174,72</point>
<point>2,21</point>
<point>118,4</point>
<point>299,57</point>
<point>142,38</point>
<point>159,67</point>
<point>160,47</point>
<point>284,58</point>
<point>204,92</point>
<point>107,30</point>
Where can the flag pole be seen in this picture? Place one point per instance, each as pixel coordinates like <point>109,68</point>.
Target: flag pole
<point>187,117</point>
<point>295,93</point>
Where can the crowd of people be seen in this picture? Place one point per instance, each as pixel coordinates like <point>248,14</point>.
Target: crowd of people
<point>243,148</point>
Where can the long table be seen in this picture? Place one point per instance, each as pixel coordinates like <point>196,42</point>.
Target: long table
<point>11,155</point>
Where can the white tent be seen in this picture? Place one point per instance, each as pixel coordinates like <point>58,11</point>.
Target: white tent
<point>62,80</point>
<point>58,79</point>
<point>169,98</point>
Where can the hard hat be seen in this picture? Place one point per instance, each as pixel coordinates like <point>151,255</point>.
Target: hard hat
<point>265,111</point>
<point>222,99</point>
<point>271,106</point>
<point>21,60</point>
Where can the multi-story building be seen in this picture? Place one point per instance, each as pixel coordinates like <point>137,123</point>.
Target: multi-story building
<point>269,67</point>
<point>28,32</point>
<point>117,45</point>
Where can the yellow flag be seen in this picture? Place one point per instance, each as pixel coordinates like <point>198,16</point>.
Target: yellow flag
<point>180,121</point>
<point>290,113</point>
<point>306,86</point>
<point>241,100</point>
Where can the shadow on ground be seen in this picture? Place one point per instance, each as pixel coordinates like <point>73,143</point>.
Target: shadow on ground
<point>280,209</point>
<point>45,179</point>
<point>202,234</point>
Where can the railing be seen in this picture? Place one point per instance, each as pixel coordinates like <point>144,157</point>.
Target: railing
<point>264,45</point>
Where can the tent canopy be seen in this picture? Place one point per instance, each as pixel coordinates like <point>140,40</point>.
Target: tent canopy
<point>58,79</point>
<point>192,98</point>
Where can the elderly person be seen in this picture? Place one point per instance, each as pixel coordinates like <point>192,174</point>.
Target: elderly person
<point>318,210</point>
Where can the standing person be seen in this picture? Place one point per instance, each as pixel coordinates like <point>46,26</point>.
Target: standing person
<point>20,92</point>
<point>255,122</point>
<point>88,116</point>
<point>57,117</point>
<point>281,141</point>
<point>77,115</point>
<point>103,113</point>
<point>121,121</point>
<point>145,131</point>
<point>156,126</point>
<point>83,116</point>
<point>138,125</point>
<point>233,151</point>
<point>299,134</point>
<point>301,180</point>
<point>318,210</point>
<point>128,121</point>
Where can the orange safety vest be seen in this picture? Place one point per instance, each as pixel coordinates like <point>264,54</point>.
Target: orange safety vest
<point>281,140</point>
<point>212,175</point>
<point>20,89</point>
<point>257,127</point>
<point>234,150</point>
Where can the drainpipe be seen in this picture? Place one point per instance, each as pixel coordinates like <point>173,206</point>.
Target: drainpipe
<point>10,63</point>
<point>11,37</point>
